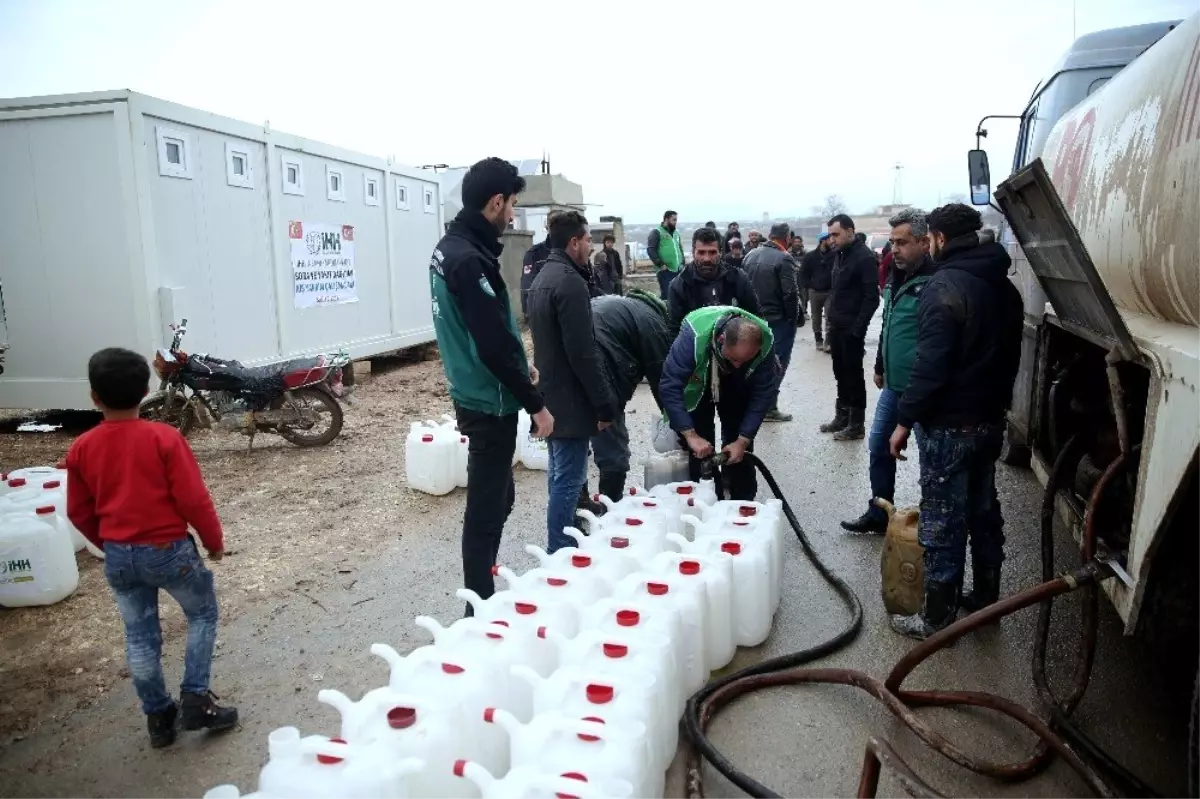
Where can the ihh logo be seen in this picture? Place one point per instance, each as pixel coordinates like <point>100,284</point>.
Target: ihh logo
<point>323,243</point>
<point>13,566</point>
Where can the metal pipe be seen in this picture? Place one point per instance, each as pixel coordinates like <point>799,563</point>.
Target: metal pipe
<point>1117,391</point>
<point>880,753</point>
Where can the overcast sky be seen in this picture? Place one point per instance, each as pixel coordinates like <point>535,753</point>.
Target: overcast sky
<point>717,110</point>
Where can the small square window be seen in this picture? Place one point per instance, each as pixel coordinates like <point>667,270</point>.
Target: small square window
<point>429,209</point>
<point>370,191</point>
<point>334,185</point>
<point>293,175</point>
<point>401,196</point>
<point>174,153</point>
<point>239,170</point>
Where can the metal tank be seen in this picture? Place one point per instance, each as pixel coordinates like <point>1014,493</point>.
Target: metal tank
<point>1126,162</point>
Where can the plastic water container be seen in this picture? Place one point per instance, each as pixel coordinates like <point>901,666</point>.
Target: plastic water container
<point>643,506</point>
<point>532,452</point>
<point>747,527</point>
<point>555,743</point>
<point>573,691</point>
<point>470,686</point>
<point>751,574</point>
<point>316,767</point>
<point>430,458</point>
<point>703,493</point>
<point>686,601</point>
<point>37,560</point>
<point>525,610</point>
<point>473,640</point>
<point>450,425</point>
<point>608,565</point>
<point>50,492</point>
<point>36,475</point>
<point>430,730</point>
<point>715,576</point>
<point>642,540</point>
<point>231,792</point>
<point>621,654</point>
<point>527,782</point>
<point>580,589</point>
<point>662,468</point>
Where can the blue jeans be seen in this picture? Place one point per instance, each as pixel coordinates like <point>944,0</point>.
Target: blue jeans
<point>136,572</point>
<point>784,333</point>
<point>959,499</point>
<point>565,478</point>
<point>665,276</point>
<point>883,465</point>
<point>610,448</point>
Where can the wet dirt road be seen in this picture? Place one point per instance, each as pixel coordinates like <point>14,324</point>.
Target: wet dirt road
<point>359,575</point>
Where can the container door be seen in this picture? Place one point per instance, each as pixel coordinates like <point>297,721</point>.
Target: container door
<point>1059,260</point>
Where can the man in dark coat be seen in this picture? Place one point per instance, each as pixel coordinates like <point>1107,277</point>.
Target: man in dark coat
<point>706,281</point>
<point>607,266</point>
<point>772,272</point>
<point>633,338</point>
<point>734,258</point>
<point>816,275</point>
<point>571,370</point>
<point>535,256</point>
<point>968,351</point>
<point>854,296</point>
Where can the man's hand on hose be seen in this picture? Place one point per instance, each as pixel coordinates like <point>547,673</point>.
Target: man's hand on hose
<point>737,450</point>
<point>699,447</point>
<point>543,423</point>
<point>899,442</point>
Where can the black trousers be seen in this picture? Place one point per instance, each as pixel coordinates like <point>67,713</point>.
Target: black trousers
<point>490,494</point>
<point>739,479</point>
<point>847,350</point>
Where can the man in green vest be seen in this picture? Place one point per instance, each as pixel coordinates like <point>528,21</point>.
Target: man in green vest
<point>721,364</point>
<point>666,251</point>
<point>894,361</point>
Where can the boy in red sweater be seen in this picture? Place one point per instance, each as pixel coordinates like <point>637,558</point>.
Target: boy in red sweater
<point>133,487</point>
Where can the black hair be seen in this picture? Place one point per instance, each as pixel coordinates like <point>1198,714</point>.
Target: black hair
<point>706,235</point>
<point>711,224</point>
<point>842,219</point>
<point>566,226</point>
<point>668,214</point>
<point>780,231</point>
<point>738,328</point>
<point>119,377</point>
<point>610,237</point>
<point>954,220</point>
<point>487,178</point>
<point>735,242</point>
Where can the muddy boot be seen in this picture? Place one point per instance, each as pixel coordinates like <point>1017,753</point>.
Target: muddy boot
<point>985,591</point>
<point>201,712</point>
<point>774,415</point>
<point>937,612</point>
<point>841,416</point>
<point>820,345</point>
<point>854,429</point>
<point>612,485</point>
<point>162,727</point>
<point>585,502</point>
<point>873,522</point>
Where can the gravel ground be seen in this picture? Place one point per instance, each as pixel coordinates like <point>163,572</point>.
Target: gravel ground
<point>333,553</point>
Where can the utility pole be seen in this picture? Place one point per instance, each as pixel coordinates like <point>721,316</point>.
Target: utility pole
<point>898,184</point>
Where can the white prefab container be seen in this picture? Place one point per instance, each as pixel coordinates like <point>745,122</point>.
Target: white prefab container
<point>134,212</point>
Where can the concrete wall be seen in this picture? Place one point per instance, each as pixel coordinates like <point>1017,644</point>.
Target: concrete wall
<point>551,190</point>
<point>516,244</point>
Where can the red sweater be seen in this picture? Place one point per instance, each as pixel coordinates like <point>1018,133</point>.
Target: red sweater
<point>138,482</point>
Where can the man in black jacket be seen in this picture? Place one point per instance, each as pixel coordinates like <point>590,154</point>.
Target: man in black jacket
<point>772,272</point>
<point>568,361</point>
<point>535,256</point>
<point>484,359</point>
<point>734,258</point>
<point>607,267</point>
<point>853,298</point>
<point>968,350</point>
<point>816,273</point>
<point>707,281</point>
<point>634,339</point>
<point>731,232</point>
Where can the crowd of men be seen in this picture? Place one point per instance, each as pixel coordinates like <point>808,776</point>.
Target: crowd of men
<point>715,344</point>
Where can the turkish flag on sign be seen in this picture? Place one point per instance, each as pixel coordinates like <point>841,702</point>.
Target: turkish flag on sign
<point>347,232</point>
<point>295,230</point>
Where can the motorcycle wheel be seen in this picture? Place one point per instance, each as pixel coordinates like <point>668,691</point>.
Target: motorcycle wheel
<point>325,429</point>
<point>177,414</point>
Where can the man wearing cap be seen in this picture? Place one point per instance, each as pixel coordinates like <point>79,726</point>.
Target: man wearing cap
<point>772,272</point>
<point>816,270</point>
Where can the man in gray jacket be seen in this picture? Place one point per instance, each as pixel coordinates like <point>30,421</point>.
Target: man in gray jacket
<point>772,272</point>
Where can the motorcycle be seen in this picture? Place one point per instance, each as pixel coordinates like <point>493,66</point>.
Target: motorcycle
<point>299,400</point>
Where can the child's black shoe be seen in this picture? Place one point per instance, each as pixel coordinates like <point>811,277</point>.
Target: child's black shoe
<point>201,712</point>
<point>162,727</point>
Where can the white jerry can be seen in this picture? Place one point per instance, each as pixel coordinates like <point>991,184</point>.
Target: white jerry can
<point>525,610</point>
<point>430,455</point>
<point>715,575</point>
<point>611,652</point>
<point>316,767</point>
<point>470,686</point>
<point>687,496</point>
<point>686,601</point>
<point>649,508</point>
<point>409,726</point>
<point>751,577</point>
<point>39,559</point>
<point>230,791</point>
<point>533,453</point>
<point>603,568</point>
<point>637,540</point>
<point>557,585</point>
<point>641,520</point>
<point>573,691</point>
<point>556,743</point>
<point>746,527</point>
<point>531,783</point>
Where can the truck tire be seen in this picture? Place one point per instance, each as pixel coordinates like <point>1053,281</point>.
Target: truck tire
<point>1018,455</point>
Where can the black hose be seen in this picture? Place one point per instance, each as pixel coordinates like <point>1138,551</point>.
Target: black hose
<point>691,716</point>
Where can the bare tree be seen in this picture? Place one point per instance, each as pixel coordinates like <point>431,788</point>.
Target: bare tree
<point>832,206</point>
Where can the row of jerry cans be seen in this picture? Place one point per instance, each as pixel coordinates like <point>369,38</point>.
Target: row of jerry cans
<point>578,670</point>
<point>37,540</point>
<point>435,454</point>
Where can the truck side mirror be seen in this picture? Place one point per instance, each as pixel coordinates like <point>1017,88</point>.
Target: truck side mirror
<point>980,176</point>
